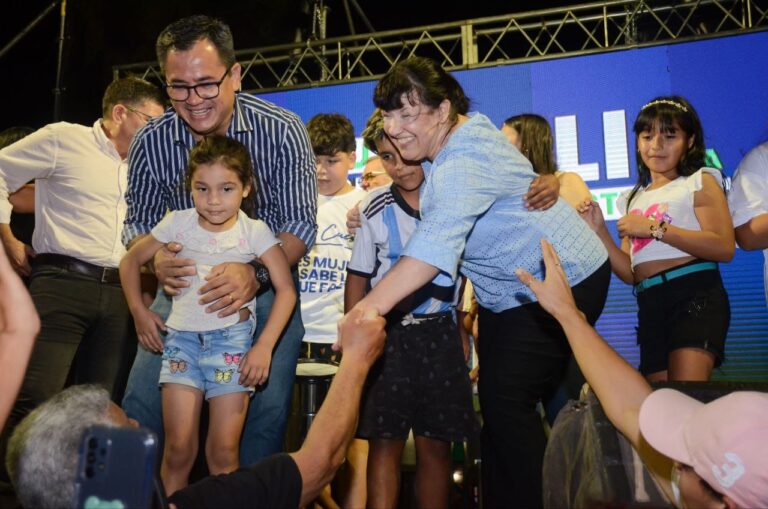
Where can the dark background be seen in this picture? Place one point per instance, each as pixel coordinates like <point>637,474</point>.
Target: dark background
<point>103,33</point>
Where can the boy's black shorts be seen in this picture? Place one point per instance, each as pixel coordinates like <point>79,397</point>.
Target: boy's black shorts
<point>421,382</point>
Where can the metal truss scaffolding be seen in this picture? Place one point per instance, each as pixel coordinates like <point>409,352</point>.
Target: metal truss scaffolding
<point>498,40</point>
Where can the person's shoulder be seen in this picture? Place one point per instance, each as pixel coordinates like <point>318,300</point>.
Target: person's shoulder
<point>569,177</point>
<point>479,129</point>
<point>756,160</point>
<point>68,128</point>
<point>158,125</point>
<point>254,226</point>
<point>181,216</point>
<point>261,109</point>
<point>478,145</point>
<point>244,219</point>
<point>355,196</point>
<point>376,201</point>
<point>714,173</point>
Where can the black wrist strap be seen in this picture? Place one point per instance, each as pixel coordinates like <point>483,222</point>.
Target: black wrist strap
<point>262,274</point>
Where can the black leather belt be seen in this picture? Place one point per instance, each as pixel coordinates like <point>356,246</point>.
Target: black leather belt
<point>101,274</point>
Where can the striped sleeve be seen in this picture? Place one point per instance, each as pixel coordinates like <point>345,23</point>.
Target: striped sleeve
<point>296,177</point>
<point>144,197</point>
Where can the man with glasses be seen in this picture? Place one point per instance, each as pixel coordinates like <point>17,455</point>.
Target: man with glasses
<point>374,174</point>
<point>80,175</point>
<point>202,79</point>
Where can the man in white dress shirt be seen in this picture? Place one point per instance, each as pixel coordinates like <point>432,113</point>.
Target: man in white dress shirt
<point>80,173</point>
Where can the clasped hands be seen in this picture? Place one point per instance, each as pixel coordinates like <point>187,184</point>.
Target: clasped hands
<point>228,286</point>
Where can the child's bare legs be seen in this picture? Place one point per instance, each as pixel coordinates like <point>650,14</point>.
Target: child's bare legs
<point>690,364</point>
<point>686,364</point>
<point>181,420</point>
<point>226,418</point>
<point>383,474</point>
<point>352,481</point>
<point>433,472</point>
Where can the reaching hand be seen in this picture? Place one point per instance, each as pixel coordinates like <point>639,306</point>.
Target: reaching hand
<point>361,335</point>
<point>170,270</point>
<point>554,293</point>
<point>591,213</point>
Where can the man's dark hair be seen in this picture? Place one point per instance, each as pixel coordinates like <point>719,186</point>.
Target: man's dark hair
<point>182,34</point>
<point>14,134</point>
<point>131,91</point>
<point>330,133</point>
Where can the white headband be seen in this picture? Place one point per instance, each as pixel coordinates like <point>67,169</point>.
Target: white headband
<point>666,101</point>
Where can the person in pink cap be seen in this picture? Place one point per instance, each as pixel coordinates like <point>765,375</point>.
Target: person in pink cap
<point>723,443</point>
<point>702,455</point>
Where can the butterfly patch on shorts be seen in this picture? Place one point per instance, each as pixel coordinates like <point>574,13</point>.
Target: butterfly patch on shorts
<point>177,365</point>
<point>232,358</point>
<point>170,351</point>
<point>224,376</point>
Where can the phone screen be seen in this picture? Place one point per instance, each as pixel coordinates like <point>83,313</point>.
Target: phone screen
<point>117,469</point>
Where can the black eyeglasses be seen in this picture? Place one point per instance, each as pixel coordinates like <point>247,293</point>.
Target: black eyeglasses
<point>208,90</point>
<point>144,116</point>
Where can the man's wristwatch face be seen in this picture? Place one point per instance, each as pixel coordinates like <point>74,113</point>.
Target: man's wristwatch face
<point>262,275</point>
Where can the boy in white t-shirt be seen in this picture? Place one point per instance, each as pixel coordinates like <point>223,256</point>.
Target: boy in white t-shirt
<point>323,271</point>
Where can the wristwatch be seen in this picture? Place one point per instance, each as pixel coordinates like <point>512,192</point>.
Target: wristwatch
<point>262,274</point>
<point>657,232</point>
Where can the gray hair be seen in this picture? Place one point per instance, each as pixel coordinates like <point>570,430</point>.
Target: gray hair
<point>42,452</point>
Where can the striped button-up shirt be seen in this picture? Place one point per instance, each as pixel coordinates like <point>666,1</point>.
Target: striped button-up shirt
<point>283,162</point>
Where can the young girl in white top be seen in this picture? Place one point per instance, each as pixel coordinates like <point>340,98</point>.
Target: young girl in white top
<point>203,353</point>
<point>675,229</point>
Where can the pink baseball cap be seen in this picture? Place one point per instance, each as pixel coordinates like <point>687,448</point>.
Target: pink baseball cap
<point>725,441</point>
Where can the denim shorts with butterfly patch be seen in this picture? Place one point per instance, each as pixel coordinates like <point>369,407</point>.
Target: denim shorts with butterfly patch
<point>207,360</point>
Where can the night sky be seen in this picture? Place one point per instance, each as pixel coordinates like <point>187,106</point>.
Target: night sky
<point>103,33</point>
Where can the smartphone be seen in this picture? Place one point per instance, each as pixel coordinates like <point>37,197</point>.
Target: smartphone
<point>117,468</point>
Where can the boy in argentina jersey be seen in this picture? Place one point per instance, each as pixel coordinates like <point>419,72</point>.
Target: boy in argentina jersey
<point>421,382</point>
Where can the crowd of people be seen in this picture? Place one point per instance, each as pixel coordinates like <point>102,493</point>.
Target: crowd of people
<point>224,238</point>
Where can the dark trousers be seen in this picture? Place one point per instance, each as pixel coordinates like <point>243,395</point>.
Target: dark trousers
<point>523,353</point>
<point>86,336</point>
